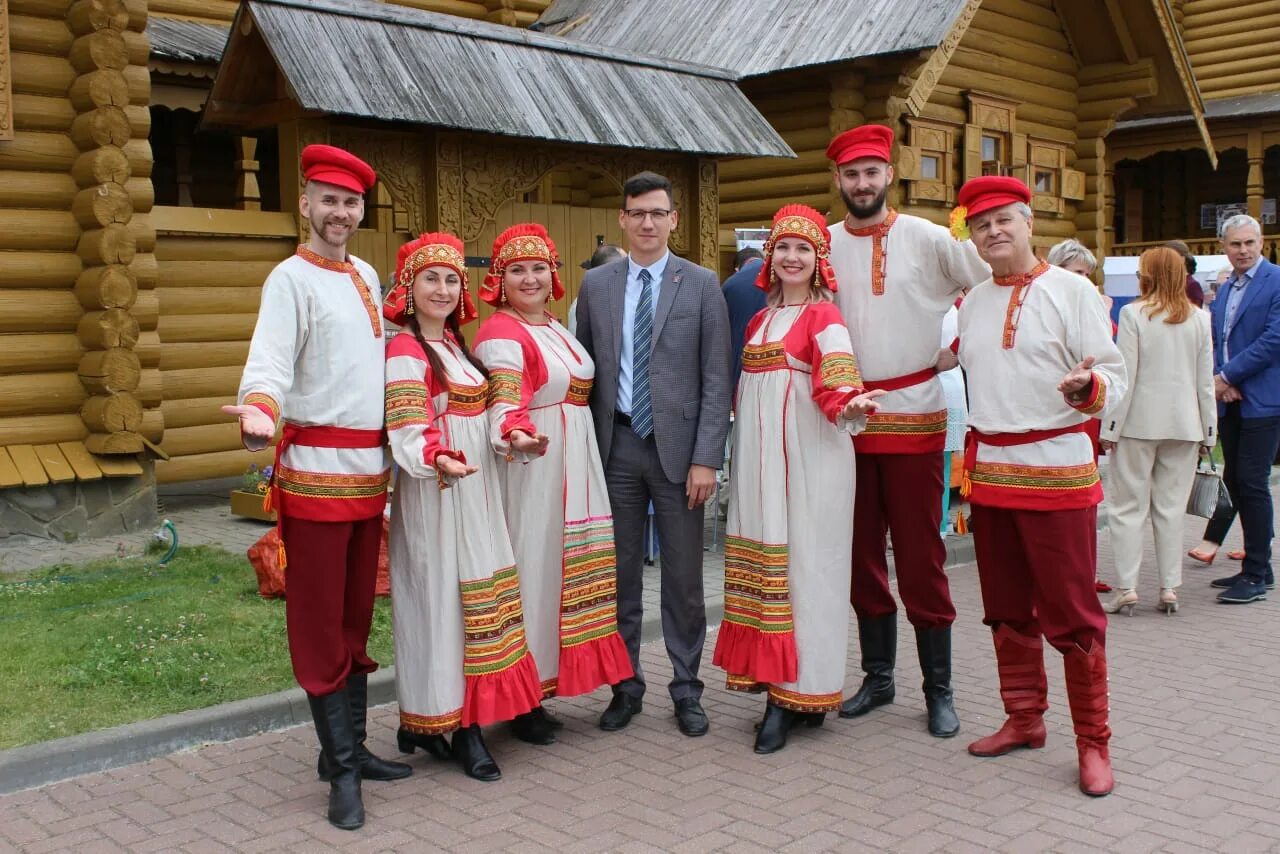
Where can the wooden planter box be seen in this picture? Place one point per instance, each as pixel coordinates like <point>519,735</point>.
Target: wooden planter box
<point>249,505</point>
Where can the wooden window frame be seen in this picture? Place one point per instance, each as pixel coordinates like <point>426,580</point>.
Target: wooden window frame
<point>928,139</point>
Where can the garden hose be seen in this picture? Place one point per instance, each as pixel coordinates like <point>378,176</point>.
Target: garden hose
<point>168,532</point>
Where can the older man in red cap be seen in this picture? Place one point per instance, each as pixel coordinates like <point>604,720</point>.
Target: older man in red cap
<point>898,276</point>
<point>1036,343</point>
<point>316,363</point>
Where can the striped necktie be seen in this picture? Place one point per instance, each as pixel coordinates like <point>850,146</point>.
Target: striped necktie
<point>641,344</point>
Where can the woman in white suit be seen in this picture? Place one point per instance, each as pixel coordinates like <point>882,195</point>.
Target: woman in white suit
<point>1155,434</point>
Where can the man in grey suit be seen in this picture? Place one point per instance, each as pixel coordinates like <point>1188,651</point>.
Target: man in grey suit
<point>657,327</point>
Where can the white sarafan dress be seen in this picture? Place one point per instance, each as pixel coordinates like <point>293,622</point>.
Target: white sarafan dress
<point>789,536</point>
<point>461,655</point>
<point>557,505</point>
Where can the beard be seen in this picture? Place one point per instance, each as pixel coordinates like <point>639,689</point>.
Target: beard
<point>865,211</point>
<point>321,229</point>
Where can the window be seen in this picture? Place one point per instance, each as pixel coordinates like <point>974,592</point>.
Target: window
<point>990,148</point>
<point>1045,181</point>
<point>931,167</point>
<point>927,163</point>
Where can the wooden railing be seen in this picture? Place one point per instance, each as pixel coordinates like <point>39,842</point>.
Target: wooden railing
<point>1200,246</point>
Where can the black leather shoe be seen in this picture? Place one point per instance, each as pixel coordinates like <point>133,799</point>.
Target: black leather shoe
<point>552,721</point>
<point>533,728</point>
<point>777,722</point>
<point>472,754</point>
<point>878,640</point>
<point>371,767</point>
<point>621,709</point>
<point>1231,581</point>
<point>934,648</point>
<point>690,717</point>
<point>434,745</point>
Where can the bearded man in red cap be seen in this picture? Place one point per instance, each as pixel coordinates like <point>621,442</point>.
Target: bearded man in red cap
<point>316,362</point>
<point>898,277</point>
<point>1036,344</point>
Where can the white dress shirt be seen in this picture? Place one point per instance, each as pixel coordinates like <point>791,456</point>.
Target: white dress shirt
<point>631,300</point>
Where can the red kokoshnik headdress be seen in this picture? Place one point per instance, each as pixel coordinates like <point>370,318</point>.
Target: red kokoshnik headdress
<point>437,249</point>
<point>525,241</point>
<point>806,223</point>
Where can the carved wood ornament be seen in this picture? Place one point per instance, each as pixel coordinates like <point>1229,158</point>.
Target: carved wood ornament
<point>6,76</point>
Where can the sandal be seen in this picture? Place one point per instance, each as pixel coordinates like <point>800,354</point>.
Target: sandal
<point>1206,559</point>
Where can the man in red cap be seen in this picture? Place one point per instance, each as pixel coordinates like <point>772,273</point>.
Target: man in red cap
<point>1035,341</point>
<point>316,362</point>
<point>899,275</point>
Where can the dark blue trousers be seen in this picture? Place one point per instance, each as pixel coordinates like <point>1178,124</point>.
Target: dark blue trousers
<point>1248,449</point>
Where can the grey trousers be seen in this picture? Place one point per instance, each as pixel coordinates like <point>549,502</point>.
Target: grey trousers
<point>634,477</point>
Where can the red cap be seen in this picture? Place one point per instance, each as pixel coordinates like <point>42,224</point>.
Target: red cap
<point>331,165</point>
<point>525,241</point>
<point>437,249</point>
<point>866,141</point>
<point>980,195</point>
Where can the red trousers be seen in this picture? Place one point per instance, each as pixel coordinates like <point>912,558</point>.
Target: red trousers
<point>330,572</point>
<point>900,494</point>
<point>1037,573</point>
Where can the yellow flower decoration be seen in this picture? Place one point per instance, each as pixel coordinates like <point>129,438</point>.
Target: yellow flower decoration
<point>958,223</point>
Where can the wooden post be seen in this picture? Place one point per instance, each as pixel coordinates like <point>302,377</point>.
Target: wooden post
<point>182,132</point>
<point>6,76</point>
<point>1254,188</point>
<point>248,196</point>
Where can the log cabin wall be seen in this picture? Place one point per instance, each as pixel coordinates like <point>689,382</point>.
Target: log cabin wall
<point>1232,45</point>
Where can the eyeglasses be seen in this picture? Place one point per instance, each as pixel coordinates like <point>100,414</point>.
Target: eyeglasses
<point>637,215</point>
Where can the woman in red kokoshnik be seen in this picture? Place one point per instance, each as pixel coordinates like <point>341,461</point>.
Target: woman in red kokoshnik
<point>786,583</point>
<point>554,491</point>
<point>461,657</point>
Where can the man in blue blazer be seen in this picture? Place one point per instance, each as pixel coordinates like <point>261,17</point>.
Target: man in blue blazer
<point>1246,355</point>
<point>744,300</point>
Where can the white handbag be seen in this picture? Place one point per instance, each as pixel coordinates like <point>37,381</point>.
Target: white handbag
<point>1207,492</point>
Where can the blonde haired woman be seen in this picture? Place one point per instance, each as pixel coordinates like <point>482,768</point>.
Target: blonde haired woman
<point>1155,433</point>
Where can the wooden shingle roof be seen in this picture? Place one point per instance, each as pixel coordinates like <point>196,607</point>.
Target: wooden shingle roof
<point>755,37</point>
<point>370,60</point>
<point>187,41</point>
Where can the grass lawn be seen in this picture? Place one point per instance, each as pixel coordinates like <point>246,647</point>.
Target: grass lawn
<point>111,642</point>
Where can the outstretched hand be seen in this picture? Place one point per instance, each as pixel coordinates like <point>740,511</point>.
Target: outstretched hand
<point>526,444</point>
<point>454,468</point>
<point>256,427</point>
<point>1078,378</point>
<point>863,404</point>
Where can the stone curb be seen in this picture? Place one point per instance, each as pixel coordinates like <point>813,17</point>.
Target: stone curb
<point>52,761</point>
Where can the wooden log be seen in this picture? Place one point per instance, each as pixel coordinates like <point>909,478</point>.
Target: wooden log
<point>100,166</point>
<point>103,88</point>
<point>101,206</point>
<point>53,270</point>
<point>52,351</point>
<point>203,439</point>
<point>38,311</point>
<point>208,466</point>
<point>30,34</point>
<point>30,429</point>
<point>204,301</point>
<point>142,194</point>
<point>209,354</point>
<point>36,150</point>
<point>995,42</point>
<point>202,382</point>
<point>112,413</point>
<point>194,411</point>
<point>138,78</point>
<point>100,49</point>
<point>224,273</point>
<point>106,287</point>
<point>39,230</point>
<point>35,74</point>
<point>144,233</point>
<point>145,270</point>
<point>146,310</point>
<point>114,443</point>
<point>214,11</point>
<point>809,183</point>
<point>177,248</point>
<point>113,244</point>
<point>1014,70</point>
<point>41,394</point>
<point>762,210</point>
<point>137,10</point>
<point>194,327</point>
<point>137,47</point>
<point>102,330</point>
<point>152,427</point>
<point>150,389</point>
<point>800,120</point>
<point>109,371</point>
<point>55,9</point>
<point>140,120</point>
<point>86,16</point>
<point>148,349</point>
<point>103,126</point>
<point>23,189</point>
<point>42,113</point>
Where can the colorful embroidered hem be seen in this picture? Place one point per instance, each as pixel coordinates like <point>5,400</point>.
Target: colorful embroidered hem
<point>497,696</point>
<point>738,682</point>
<point>757,638</point>
<point>321,497</point>
<point>431,724</point>
<point>903,433</point>
<point>493,624</point>
<point>1019,487</point>
<point>591,650</point>
<point>798,702</point>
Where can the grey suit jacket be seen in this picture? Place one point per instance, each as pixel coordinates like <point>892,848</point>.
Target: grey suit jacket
<point>689,369</point>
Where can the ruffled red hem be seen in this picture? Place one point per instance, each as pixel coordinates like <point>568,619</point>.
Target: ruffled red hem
<point>587,666</point>
<point>494,697</point>
<point>763,656</point>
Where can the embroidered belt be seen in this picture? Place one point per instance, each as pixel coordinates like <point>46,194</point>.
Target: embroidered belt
<point>974,438</point>
<point>904,381</point>
<point>318,437</point>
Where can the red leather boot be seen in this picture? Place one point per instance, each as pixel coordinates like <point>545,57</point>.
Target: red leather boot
<point>1024,690</point>
<point>1087,694</point>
